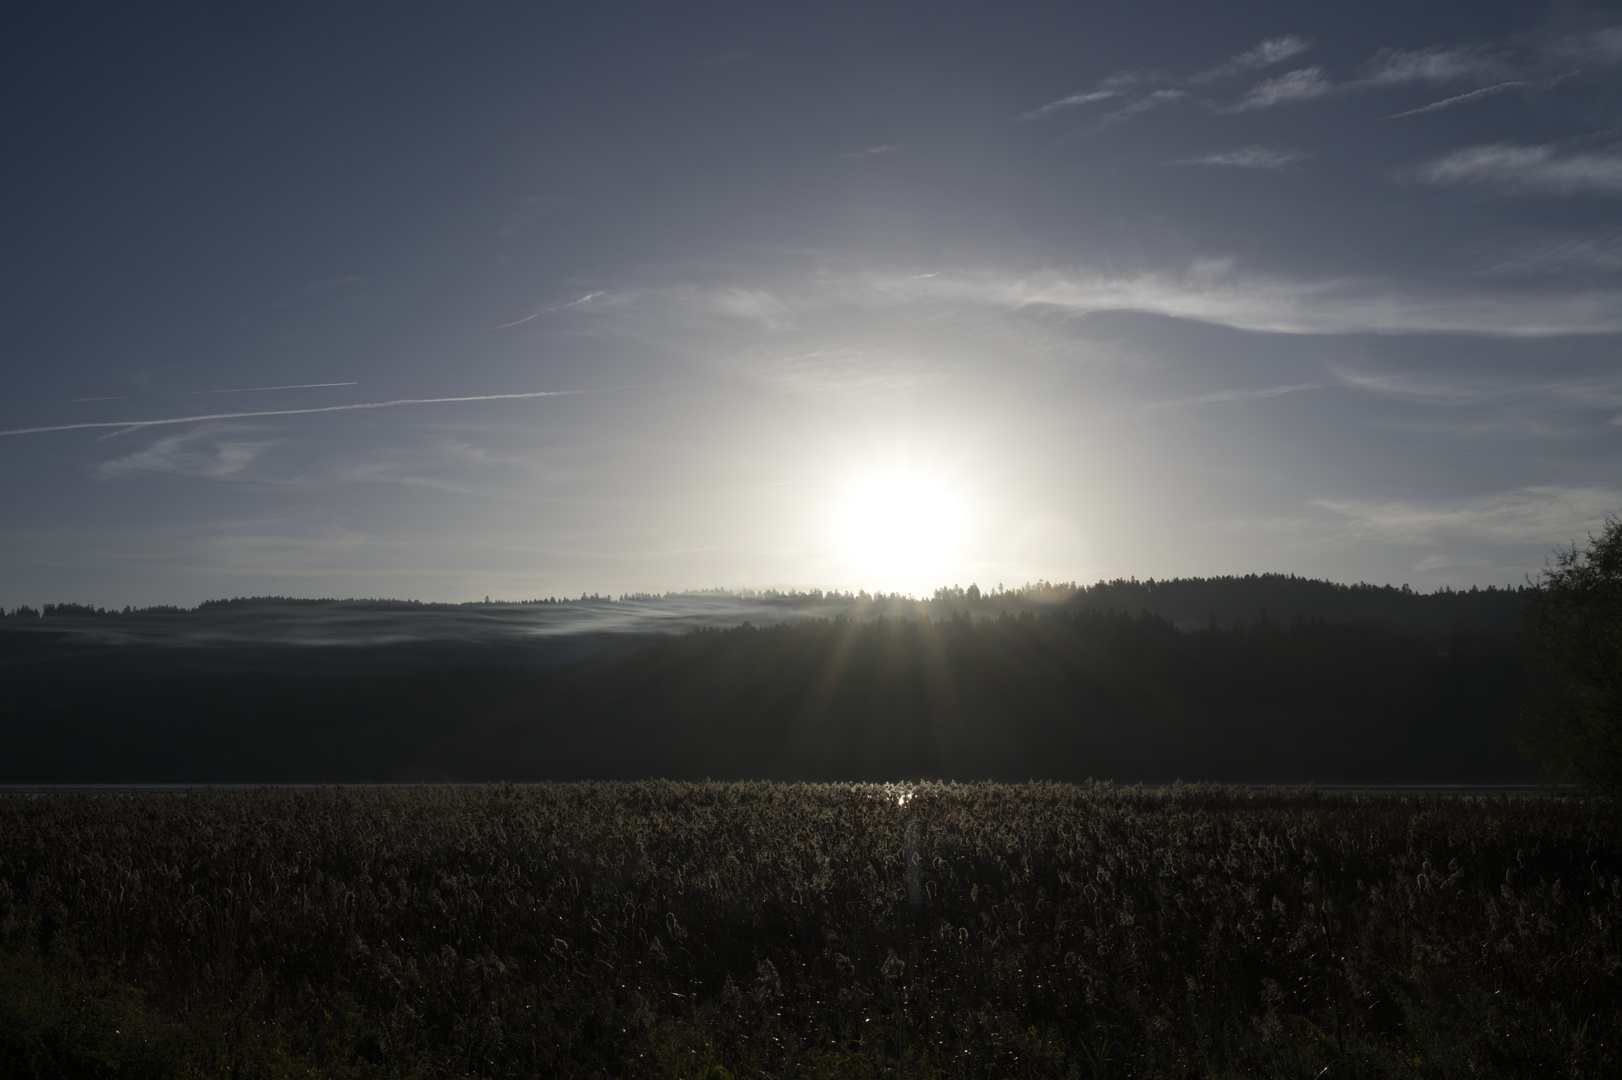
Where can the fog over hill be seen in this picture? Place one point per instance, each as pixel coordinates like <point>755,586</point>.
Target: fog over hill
<point>1266,678</point>
<point>564,628</point>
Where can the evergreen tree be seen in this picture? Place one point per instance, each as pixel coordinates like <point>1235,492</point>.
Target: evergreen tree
<point>1573,623</point>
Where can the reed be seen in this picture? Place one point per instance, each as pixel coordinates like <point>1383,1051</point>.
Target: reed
<point>752,929</point>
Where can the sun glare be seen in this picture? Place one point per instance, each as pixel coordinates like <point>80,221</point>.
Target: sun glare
<point>900,527</point>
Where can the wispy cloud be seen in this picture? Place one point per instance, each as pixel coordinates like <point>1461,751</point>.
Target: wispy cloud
<point>133,425</point>
<point>1115,85</point>
<point>1526,170</point>
<point>1529,515</point>
<point>1246,157</point>
<point>874,151</point>
<point>1560,407</point>
<point>254,389</point>
<point>1601,252</point>
<point>862,330</point>
<point>1407,385</point>
<point>1271,51</point>
<point>1217,291</point>
<point>763,306</point>
<point>1143,104</point>
<point>449,462</point>
<point>1437,64</point>
<point>1224,396</point>
<point>1303,84</point>
<point>180,455</point>
<point>1389,67</point>
<point>1131,86</point>
<point>1602,46</point>
<point>1206,291</point>
<point>1073,100</point>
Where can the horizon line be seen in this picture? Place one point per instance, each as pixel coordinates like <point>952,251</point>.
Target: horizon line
<point>1071,588</point>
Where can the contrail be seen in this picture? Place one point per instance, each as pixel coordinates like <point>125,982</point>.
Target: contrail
<point>1458,99</point>
<point>519,322</point>
<point>1485,91</point>
<point>548,311</point>
<point>291,386</point>
<point>133,424</point>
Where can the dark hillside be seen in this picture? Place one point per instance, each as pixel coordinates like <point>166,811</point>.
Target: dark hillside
<point>1061,695</point>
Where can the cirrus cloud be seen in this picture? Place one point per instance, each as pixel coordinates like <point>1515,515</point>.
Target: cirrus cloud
<point>1437,64</point>
<point>1271,51</point>
<point>1513,169</point>
<point>1303,84</point>
<point>1246,157</point>
<point>225,457</point>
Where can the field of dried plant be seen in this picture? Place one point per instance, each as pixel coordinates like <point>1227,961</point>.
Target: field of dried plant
<point>729,930</point>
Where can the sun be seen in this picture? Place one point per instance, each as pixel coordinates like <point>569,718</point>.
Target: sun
<point>900,526</point>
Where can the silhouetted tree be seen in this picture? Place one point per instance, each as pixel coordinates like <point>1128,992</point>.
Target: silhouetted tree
<point>1573,626</point>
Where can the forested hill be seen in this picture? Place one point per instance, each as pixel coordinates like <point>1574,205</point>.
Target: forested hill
<point>1296,680</point>
<point>565,628</point>
<point>1284,598</point>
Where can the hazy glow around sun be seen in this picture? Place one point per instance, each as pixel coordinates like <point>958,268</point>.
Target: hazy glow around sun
<point>900,526</point>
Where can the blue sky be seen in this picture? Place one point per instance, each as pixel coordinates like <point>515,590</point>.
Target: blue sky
<point>439,302</point>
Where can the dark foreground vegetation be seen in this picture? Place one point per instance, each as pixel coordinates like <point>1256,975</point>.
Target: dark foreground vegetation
<point>732,930</point>
<point>1061,694</point>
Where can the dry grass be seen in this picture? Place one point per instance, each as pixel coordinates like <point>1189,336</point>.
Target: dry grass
<point>719,930</point>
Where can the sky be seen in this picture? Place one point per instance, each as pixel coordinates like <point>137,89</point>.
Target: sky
<point>520,300</point>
